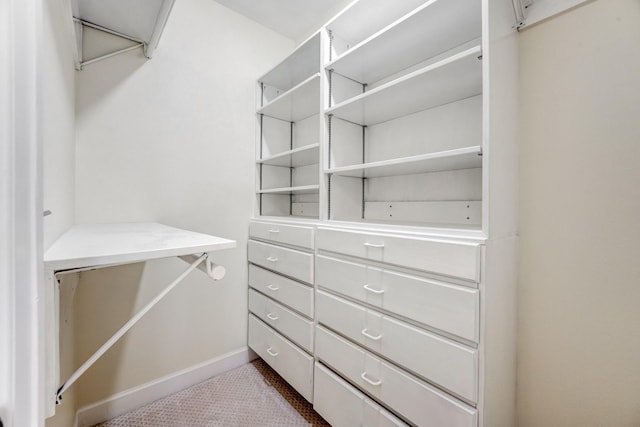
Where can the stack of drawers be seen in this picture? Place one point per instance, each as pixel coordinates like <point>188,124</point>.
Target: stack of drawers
<point>398,317</point>
<point>281,300</point>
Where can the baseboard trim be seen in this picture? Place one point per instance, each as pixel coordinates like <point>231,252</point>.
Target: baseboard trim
<point>128,400</point>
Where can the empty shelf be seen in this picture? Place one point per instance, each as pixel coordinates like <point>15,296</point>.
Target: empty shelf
<point>298,103</point>
<point>303,189</point>
<point>424,33</point>
<point>452,79</point>
<point>302,156</point>
<point>462,158</point>
<point>298,66</point>
<point>370,15</point>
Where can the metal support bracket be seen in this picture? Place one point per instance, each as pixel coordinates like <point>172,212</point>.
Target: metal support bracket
<point>214,271</point>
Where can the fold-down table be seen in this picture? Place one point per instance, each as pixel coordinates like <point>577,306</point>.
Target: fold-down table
<point>91,246</point>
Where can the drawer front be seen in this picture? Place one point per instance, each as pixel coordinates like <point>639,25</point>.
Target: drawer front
<point>280,233</point>
<point>289,292</point>
<point>415,400</point>
<point>293,364</point>
<point>292,263</point>
<point>343,406</point>
<point>449,258</point>
<point>451,308</point>
<point>441,361</point>
<point>291,325</point>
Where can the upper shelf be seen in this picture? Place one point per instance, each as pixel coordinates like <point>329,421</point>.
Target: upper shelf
<point>460,158</point>
<point>423,34</point>
<point>140,20</point>
<point>371,16</point>
<point>297,67</point>
<point>96,245</point>
<point>452,79</point>
<point>297,103</point>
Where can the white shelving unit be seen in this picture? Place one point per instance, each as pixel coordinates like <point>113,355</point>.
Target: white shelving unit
<point>288,138</point>
<point>415,149</point>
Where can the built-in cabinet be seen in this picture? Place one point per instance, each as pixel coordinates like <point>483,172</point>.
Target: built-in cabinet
<point>382,272</point>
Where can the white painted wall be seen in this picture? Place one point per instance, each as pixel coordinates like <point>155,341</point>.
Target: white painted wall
<point>58,118</point>
<point>579,321</point>
<point>170,140</point>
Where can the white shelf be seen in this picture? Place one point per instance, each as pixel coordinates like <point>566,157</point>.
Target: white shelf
<point>423,33</point>
<point>461,158</point>
<point>99,245</point>
<point>297,67</point>
<point>297,103</point>
<point>370,16</point>
<point>304,189</point>
<point>142,21</point>
<point>452,79</point>
<point>303,156</point>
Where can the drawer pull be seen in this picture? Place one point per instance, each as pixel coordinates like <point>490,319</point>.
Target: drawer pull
<point>374,245</point>
<point>271,353</point>
<point>272,259</point>
<point>272,288</point>
<point>274,230</point>
<point>373,291</point>
<point>272,317</point>
<point>367,379</point>
<point>368,335</point>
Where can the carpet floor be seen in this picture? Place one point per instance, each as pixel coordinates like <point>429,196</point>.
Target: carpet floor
<point>251,395</point>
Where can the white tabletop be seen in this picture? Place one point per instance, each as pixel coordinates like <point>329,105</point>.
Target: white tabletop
<point>95,245</point>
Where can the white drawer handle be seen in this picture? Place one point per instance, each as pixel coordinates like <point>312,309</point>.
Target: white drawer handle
<point>364,377</point>
<point>374,245</point>
<point>274,230</point>
<point>272,317</point>
<point>368,335</point>
<point>272,288</point>
<point>373,291</point>
<point>272,259</point>
<point>271,353</point>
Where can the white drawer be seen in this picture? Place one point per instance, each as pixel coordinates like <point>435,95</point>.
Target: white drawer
<point>289,292</point>
<point>446,257</point>
<point>293,364</point>
<point>415,400</point>
<point>451,308</point>
<point>441,361</point>
<point>292,263</point>
<point>280,233</point>
<point>291,325</point>
<point>343,406</point>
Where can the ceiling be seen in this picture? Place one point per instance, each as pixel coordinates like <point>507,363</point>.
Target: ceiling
<point>295,19</point>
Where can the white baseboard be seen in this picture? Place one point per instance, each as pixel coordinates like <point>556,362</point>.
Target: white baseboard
<point>131,399</point>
